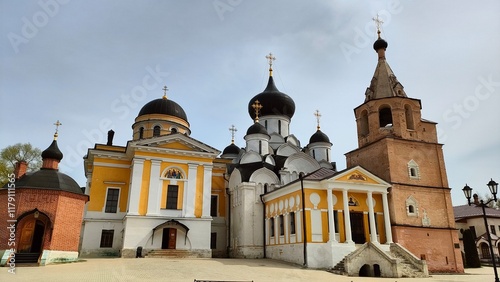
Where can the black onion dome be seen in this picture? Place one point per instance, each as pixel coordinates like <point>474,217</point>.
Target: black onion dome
<point>164,107</point>
<point>52,152</point>
<point>257,128</point>
<point>273,102</point>
<point>380,44</point>
<point>319,136</point>
<point>231,149</point>
<point>48,179</point>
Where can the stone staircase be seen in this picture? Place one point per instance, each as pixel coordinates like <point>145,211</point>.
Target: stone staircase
<point>339,268</point>
<point>170,253</point>
<point>27,257</point>
<point>403,263</point>
<point>407,269</point>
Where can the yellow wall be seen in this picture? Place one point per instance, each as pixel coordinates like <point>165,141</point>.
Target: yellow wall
<point>143,199</point>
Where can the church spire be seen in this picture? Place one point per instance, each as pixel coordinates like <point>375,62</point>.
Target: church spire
<point>318,116</point>
<point>384,83</point>
<point>233,131</point>
<point>52,155</point>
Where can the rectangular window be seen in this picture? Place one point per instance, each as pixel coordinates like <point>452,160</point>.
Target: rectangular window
<point>292,223</point>
<point>213,240</point>
<point>213,205</point>
<point>172,195</point>
<point>336,220</point>
<point>112,200</point>
<point>271,226</point>
<point>493,230</point>
<point>107,238</point>
<point>282,227</point>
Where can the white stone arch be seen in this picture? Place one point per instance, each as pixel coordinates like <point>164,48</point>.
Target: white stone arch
<point>287,150</point>
<point>264,176</point>
<point>291,139</point>
<point>251,157</point>
<point>270,160</point>
<point>301,162</point>
<point>411,206</point>
<point>276,140</point>
<point>234,179</point>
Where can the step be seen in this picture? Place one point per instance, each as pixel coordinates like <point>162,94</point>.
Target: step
<point>27,257</point>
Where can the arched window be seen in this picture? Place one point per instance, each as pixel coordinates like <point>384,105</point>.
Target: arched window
<point>409,118</point>
<point>141,132</point>
<point>411,206</point>
<point>173,130</point>
<point>279,126</point>
<point>363,124</point>
<point>156,131</point>
<point>413,170</point>
<point>385,116</point>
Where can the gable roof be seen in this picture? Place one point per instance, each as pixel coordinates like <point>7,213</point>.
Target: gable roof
<point>466,211</point>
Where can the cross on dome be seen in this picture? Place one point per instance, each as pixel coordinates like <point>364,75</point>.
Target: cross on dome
<point>318,116</point>
<point>257,106</point>
<point>378,23</point>
<point>57,124</point>
<point>270,58</point>
<point>165,89</point>
<point>233,131</point>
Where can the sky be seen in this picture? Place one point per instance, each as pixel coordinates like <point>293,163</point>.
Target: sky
<point>93,64</point>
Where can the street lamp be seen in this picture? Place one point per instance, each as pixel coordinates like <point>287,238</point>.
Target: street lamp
<point>493,186</point>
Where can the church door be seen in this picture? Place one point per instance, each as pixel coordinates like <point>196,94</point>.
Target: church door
<point>169,239</point>
<point>32,236</point>
<point>357,227</point>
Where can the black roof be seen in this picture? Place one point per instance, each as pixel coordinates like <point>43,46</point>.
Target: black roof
<point>380,44</point>
<point>52,152</point>
<point>257,128</point>
<point>273,102</point>
<point>319,136</point>
<point>165,107</point>
<point>231,149</point>
<point>48,179</point>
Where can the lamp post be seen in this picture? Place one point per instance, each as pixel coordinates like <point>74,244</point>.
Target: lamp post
<point>493,186</point>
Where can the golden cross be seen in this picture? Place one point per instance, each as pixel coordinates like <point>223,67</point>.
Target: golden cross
<point>256,106</point>
<point>318,116</point>
<point>233,131</point>
<point>57,124</point>
<point>270,59</point>
<point>165,89</point>
<point>378,23</point>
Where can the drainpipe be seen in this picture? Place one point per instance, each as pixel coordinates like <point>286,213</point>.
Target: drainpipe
<point>304,231</point>
<point>264,220</point>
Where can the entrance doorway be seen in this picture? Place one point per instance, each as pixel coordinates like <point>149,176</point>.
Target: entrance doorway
<point>169,238</point>
<point>357,227</point>
<point>32,236</point>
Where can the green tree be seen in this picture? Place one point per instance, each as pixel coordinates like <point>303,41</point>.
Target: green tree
<point>10,155</point>
<point>470,249</point>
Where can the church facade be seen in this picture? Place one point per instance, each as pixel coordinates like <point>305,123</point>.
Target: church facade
<point>275,198</point>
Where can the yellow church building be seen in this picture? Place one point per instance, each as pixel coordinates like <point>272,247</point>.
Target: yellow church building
<point>387,214</point>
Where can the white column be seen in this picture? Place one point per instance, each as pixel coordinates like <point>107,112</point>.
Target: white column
<point>347,218</point>
<point>331,223</point>
<point>207,190</point>
<point>387,220</point>
<point>371,216</point>
<point>154,187</point>
<point>190,190</point>
<point>135,186</point>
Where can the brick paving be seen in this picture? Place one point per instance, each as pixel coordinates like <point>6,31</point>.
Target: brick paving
<point>158,269</point>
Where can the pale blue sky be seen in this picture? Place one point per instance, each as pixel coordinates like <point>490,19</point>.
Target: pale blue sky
<point>94,64</point>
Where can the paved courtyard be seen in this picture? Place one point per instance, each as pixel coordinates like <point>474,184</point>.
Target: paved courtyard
<point>151,269</point>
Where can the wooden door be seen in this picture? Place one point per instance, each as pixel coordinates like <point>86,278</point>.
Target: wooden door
<point>169,239</point>
<point>27,235</point>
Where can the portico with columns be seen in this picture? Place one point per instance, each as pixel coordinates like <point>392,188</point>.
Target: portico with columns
<point>343,210</point>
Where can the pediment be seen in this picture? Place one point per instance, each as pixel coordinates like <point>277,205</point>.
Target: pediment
<point>359,175</point>
<point>173,144</point>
